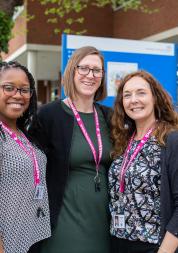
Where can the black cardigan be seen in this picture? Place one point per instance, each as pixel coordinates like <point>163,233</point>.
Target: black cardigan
<point>169,186</point>
<point>55,136</point>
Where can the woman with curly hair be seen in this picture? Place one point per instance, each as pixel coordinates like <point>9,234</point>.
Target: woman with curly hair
<point>143,178</point>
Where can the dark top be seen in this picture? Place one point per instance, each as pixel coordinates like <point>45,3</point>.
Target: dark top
<point>83,220</point>
<point>55,135</point>
<point>169,186</point>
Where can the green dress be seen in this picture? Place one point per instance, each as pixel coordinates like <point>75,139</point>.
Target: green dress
<point>83,222</point>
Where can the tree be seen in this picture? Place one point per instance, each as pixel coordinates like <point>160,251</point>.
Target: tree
<point>57,9</point>
<point>6,22</point>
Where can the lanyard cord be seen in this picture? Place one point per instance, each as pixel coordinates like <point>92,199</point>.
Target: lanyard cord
<point>126,162</point>
<point>31,155</point>
<point>97,158</point>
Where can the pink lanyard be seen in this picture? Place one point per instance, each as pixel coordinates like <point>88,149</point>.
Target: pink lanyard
<point>125,164</point>
<point>87,137</point>
<point>33,156</point>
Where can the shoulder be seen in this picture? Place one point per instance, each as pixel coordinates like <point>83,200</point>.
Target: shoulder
<point>53,114</point>
<point>107,111</point>
<point>172,138</point>
<point>105,108</point>
<point>171,145</point>
<point>52,106</point>
<point>53,110</point>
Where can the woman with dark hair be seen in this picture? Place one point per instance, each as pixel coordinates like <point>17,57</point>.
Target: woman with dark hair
<point>24,211</point>
<point>75,133</point>
<point>143,178</point>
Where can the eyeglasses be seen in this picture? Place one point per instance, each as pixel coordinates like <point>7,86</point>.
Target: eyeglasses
<point>11,90</point>
<point>84,71</point>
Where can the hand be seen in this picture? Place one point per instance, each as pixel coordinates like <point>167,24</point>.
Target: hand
<point>169,243</point>
<point>161,250</point>
<point>1,247</point>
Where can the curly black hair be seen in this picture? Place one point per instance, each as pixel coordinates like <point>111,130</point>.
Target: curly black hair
<point>30,115</point>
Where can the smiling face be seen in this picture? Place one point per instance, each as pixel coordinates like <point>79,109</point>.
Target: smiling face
<point>138,101</point>
<point>13,106</point>
<point>87,85</point>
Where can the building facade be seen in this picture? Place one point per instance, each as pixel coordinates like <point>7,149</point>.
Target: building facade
<point>35,44</point>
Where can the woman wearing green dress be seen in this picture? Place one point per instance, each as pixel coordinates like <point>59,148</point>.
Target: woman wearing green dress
<point>75,135</point>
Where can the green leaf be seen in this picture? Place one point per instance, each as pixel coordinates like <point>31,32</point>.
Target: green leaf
<point>6,25</point>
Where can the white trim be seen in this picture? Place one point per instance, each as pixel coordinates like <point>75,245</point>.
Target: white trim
<point>41,47</point>
<point>17,53</point>
<point>163,35</point>
<point>17,12</point>
<point>33,47</point>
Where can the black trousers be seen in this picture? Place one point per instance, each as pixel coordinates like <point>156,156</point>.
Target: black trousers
<point>125,246</point>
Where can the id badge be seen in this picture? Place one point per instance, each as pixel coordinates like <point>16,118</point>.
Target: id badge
<point>39,192</point>
<point>119,221</point>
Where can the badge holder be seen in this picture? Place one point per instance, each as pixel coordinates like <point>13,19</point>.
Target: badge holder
<point>119,219</point>
<point>39,192</point>
<point>97,182</point>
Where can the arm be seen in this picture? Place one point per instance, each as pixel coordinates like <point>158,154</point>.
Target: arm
<point>170,240</point>
<point>1,247</point>
<point>169,243</point>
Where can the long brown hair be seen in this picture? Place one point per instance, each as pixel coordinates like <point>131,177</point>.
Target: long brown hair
<point>123,126</point>
<point>68,78</point>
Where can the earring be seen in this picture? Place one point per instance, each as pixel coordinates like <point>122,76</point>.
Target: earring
<point>126,126</point>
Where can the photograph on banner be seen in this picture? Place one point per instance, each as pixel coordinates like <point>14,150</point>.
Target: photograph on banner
<point>116,72</point>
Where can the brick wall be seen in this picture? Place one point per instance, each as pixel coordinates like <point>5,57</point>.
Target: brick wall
<point>98,22</point>
<point>137,25</point>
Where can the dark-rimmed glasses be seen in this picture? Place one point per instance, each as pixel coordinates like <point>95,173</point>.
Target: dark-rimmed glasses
<point>11,90</point>
<point>84,71</point>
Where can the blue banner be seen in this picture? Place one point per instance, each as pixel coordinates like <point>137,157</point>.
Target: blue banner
<point>125,56</point>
